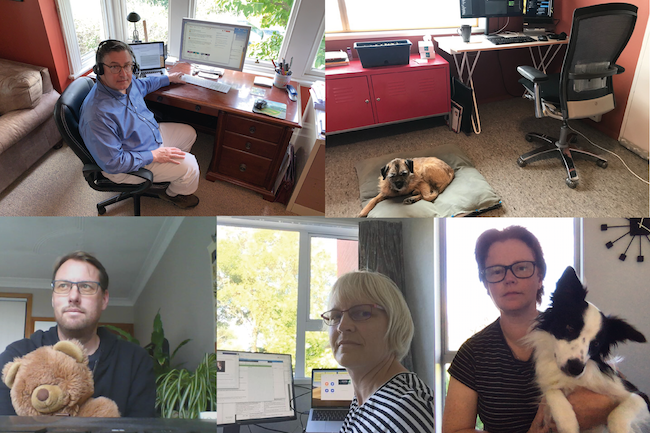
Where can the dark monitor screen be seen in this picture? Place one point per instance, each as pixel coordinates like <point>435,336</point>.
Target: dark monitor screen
<point>491,8</point>
<point>253,388</point>
<point>540,11</point>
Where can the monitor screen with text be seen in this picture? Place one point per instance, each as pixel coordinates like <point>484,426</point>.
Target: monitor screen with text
<point>214,44</point>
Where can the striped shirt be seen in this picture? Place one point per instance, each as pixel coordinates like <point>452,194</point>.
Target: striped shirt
<point>404,404</point>
<point>508,396</point>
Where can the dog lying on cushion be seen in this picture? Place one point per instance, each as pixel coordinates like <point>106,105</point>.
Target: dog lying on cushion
<point>421,178</point>
<point>55,380</point>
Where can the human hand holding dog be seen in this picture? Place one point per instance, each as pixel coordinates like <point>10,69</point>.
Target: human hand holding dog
<point>540,423</point>
<point>591,409</point>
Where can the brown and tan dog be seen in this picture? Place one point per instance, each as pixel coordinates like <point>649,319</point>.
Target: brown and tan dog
<point>423,178</point>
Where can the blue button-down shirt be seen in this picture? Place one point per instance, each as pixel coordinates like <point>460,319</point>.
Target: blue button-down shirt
<point>119,130</point>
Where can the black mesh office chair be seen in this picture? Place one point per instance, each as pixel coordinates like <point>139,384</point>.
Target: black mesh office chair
<point>584,86</point>
<point>66,116</point>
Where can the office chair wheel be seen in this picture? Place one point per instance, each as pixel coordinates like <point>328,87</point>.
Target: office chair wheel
<point>521,162</point>
<point>570,183</point>
<point>529,138</point>
<point>101,210</point>
<point>601,164</point>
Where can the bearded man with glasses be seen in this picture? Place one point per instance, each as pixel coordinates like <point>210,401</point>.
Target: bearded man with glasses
<point>122,135</point>
<point>122,371</point>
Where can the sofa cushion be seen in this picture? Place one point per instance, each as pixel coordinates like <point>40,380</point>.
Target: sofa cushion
<point>21,85</point>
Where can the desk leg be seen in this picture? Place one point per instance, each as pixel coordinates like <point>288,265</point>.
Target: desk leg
<point>543,62</point>
<point>464,65</point>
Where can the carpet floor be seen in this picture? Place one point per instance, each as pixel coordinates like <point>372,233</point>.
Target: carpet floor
<point>54,186</point>
<point>537,190</point>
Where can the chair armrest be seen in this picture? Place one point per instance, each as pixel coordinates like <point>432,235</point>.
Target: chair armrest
<point>532,74</point>
<point>588,76</point>
<point>143,173</point>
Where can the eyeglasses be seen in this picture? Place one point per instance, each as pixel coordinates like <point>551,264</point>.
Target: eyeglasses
<point>521,270</point>
<point>358,313</point>
<point>116,69</point>
<point>63,287</point>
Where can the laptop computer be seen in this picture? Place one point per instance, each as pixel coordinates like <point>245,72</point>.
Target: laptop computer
<point>331,395</point>
<point>151,58</point>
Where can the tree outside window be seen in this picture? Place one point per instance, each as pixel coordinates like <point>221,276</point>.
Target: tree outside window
<point>154,12</point>
<point>268,20</point>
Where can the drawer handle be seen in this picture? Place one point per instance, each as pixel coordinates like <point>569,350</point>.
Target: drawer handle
<point>159,98</point>
<point>197,108</point>
<point>378,99</point>
<point>367,101</point>
<point>248,145</point>
<point>242,167</point>
<point>251,130</point>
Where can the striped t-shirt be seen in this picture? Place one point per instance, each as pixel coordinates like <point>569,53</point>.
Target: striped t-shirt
<point>508,396</point>
<point>404,404</point>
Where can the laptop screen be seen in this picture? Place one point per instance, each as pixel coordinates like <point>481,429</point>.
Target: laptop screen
<point>331,388</point>
<point>149,55</point>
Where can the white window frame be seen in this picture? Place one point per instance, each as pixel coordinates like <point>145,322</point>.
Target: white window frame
<point>446,356</point>
<point>307,228</point>
<point>114,29</point>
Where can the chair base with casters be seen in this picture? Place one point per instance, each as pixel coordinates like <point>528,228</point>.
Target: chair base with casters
<point>559,148</point>
<point>66,116</point>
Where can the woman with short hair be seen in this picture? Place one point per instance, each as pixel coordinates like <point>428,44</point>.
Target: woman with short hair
<point>370,332</point>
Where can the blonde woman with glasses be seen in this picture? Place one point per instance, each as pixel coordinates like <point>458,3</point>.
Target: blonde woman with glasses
<point>370,332</point>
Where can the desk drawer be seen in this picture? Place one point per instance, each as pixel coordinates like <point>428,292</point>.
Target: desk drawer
<point>243,166</point>
<point>250,145</point>
<point>185,105</point>
<point>254,128</point>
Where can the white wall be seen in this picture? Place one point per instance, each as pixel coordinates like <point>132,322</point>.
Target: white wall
<point>621,289</point>
<point>181,287</point>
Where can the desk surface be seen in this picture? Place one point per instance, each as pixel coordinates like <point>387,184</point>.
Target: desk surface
<point>455,44</point>
<point>56,424</point>
<point>238,100</point>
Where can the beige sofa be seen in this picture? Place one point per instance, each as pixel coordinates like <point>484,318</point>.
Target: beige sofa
<point>27,129</point>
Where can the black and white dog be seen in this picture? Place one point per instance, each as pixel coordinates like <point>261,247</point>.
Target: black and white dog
<point>572,341</point>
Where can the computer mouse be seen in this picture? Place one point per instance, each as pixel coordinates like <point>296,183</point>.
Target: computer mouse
<point>260,104</point>
<point>562,36</point>
<point>542,38</point>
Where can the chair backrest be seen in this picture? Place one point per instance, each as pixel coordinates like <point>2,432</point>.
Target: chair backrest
<point>66,116</point>
<point>599,34</point>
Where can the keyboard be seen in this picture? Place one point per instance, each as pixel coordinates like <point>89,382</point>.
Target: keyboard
<point>329,415</point>
<point>499,40</point>
<point>204,82</point>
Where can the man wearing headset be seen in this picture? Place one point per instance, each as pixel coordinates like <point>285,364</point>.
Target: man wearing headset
<point>122,135</point>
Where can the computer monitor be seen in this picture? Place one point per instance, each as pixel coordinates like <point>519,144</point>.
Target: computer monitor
<point>214,45</point>
<point>491,8</point>
<point>538,14</point>
<point>253,388</point>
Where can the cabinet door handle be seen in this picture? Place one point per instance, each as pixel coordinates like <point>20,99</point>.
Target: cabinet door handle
<point>197,108</point>
<point>367,101</point>
<point>378,99</point>
<point>242,167</point>
<point>251,130</point>
<point>248,145</point>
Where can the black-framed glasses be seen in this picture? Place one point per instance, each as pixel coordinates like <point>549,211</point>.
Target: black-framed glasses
<point>116,69</point>
<point>358,313</point>
<point>63,287</point>
<point>521,270</point>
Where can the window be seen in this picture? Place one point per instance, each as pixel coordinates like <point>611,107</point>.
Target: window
<point>344,16</point>
<point>468,308</point>
<point>272,285</point>
<point>154,13</point>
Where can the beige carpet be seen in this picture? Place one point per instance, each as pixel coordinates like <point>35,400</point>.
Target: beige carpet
<point>537,190</point>
<point>54,186</point>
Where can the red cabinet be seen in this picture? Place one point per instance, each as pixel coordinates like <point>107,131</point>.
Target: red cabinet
<point>359,97</point>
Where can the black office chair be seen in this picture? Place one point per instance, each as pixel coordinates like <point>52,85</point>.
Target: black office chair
<point>584,86</point>
<point>66,116</point>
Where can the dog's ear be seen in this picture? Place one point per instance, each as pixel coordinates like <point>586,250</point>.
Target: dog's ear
<point>569,291</point>
<point>409,164</point>
<point>620,330</point>
<point>384,171</point>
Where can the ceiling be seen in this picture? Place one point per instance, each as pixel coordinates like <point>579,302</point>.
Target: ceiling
<point>128,247</point>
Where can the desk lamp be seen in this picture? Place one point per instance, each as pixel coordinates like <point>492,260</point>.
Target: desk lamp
<point>134,18</point>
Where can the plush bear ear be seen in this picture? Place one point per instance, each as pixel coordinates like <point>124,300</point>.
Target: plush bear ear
<point>9,373</point>
<point>70,349</point>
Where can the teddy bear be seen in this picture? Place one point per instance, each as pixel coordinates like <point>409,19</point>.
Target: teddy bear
<point>55,380</point>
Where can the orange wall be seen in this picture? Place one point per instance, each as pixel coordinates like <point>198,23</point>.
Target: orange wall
<point>612,121</point>
<point>30,33</point>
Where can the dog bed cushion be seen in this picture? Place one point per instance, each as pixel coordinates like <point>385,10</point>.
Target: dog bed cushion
<point>468,194</point>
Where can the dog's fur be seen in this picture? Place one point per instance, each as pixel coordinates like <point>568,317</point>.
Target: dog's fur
<point>422,178</point>
<point>572,341</point>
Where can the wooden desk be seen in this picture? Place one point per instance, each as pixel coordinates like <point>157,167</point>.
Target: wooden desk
<point>248,147</point>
